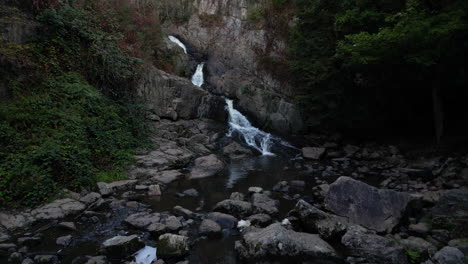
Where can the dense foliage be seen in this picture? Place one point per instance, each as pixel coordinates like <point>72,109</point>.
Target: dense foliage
<point>65,134</point>
<point>381,64</point>
<point>72,119</point>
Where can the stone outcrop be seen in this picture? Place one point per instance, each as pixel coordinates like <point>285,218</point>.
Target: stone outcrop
<point>173,97</point>
<point>377,209</point>
<point>233,49</point>
<point>275,241</point>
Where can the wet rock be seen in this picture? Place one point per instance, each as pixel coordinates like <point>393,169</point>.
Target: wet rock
<point>15,257</point>
<point>260,220</point>
<point>350,150</point>
<point>237,196</point>
<point>122,246</point>
<point>170,245</point>
<point>313,153</point>
<point>154,190</point>
<point>234,207</point>
<point>166,177</point>
<point>282,186</point>
<point>106,189</point>
<point>206,166</point>
<point>255,189</point>
<point>418,244</point>
<point>63,240</point>
<point>5,248</point>
<point>97,260</point>
<point>90,198</point>
<point>377,209</point>
<point>235,151</point>
<point>449,255</point>
<point>419,228</point>
<point>314,220</point>
<point>452,202</point>
<point>210,228</point>
<point>226,221</point>
<point>172,223</point>
<point>67,225</point>
<point>180,211</point>
<point>27,261</point>
<point>191,192</point>
<point>264,204</point>
<point>461,244</point>
<point>276,241</point>
<point>142,220</point>
<point>46,259</point>
<point>157,229</point>
<point>372,248</point>
<point>4,237</point>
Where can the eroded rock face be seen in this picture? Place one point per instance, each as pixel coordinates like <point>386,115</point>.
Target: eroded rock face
<point>365,244</point>
<point>174,97</point>
<point>377,209</point>
<point>275,241</point>
<point>233,47</point>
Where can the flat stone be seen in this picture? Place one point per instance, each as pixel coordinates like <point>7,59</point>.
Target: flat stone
<point>180,211</point>
<point>226,221</point>
<point>142,220</point>
<point>168,176</point>
<point>15,221</point>
<point>58,209</point>
<point>235,151</point>
<point>234,207</point>
<point>67,225</point>
<point>206,166</point>
<point>90,198</point>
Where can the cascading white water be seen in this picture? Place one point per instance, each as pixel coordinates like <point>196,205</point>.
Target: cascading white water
<point>197,78</point>
<point>178,42</point>
<point>253,136</point>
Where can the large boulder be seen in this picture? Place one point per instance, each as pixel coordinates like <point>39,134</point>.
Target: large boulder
<point>58,209</point>
<point>210,228</point>
<point>234,207</point>
<point>170,245</point>
<point>314,220</point>
<point>142,220</point>
<point>226,221</point>
<point>121,246</point>
<point>264,204</point>
<point>374,249</point>
<point>449,255</point>
<point>275,242</point>
<point>374,208</point>
<point>206,166</point>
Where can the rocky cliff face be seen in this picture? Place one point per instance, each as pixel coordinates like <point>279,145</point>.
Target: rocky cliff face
<point>220,30</point>
<point>173,97</point>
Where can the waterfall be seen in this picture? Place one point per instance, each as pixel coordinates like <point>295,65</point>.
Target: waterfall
<point>197,78</point>
<point>253,136</point>
<point>178,42</point>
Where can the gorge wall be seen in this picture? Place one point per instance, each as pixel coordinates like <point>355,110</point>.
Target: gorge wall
<point>222,34</point>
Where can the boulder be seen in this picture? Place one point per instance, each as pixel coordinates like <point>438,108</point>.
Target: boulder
<point>377,209</point>
<point>313,153</point>
<point>142,220</point>
<point>172,223</point>
<point>260,220</point>
<point>234,207</point>
<point>106,189</point>
<point>314,220</point>
<point>58,209</point>
<point>226,221</point>
<point>276,242</point>
<point>170,245</point>
<point>121,246</point>
<point>63,240</point>
<point>235,151</point>
<point>181,211</point>
<point>154,190</point>
<point>90,198</point>
<point>167,176</point>
<point>210,228</point>
<point>418,244</point>
<point>365,244</point>
<point>449,255</point>
<point>264,204</point>
<point>206,166</point>
<point>452,202</point>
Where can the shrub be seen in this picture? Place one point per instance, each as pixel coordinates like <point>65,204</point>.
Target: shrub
<point>64,135</point>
